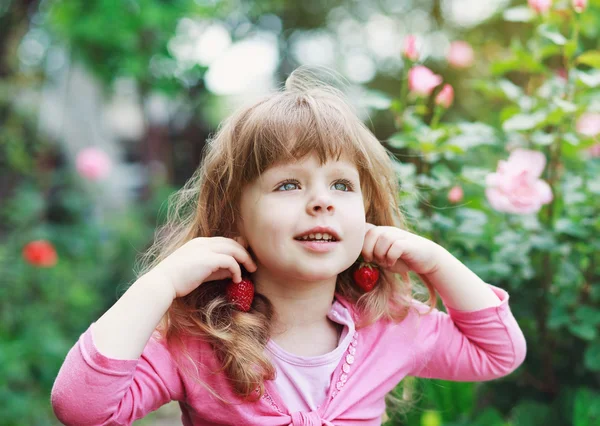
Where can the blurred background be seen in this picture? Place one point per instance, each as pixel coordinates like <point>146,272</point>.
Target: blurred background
<point>492,109</point>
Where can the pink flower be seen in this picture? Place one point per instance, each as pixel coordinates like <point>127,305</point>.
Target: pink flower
<point>410,48</point>
<point>580,5</point>
<point>594,150</point>
<point>563,74</point>
<point>516,187</point>
<point>445,97</point>
<point>540,6</point>
<point>456,194</point>
<point>460,55</point>
<point>589,124</point>
<point>422,81</point>
<point>93,164</point>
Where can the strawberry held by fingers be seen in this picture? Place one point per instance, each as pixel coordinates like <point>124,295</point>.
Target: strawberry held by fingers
<point>241,294</point>
<point>366,275</point>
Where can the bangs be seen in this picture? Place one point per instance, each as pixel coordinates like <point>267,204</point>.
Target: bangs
<point>285,129</point>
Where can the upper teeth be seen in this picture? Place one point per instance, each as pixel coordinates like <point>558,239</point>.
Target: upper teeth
<point>317,236</point>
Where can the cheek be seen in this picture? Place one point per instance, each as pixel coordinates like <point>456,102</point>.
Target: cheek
<point>270,230</point>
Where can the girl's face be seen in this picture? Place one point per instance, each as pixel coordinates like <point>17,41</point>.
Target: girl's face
<point>293,198</point>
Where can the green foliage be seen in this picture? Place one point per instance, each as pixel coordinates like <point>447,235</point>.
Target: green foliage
<point>44,310</point>
<point>548,261</point>
<point>121,39</point>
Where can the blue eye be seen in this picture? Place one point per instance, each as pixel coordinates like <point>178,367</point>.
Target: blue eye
<point>345,182</point>
<point>288,182</point>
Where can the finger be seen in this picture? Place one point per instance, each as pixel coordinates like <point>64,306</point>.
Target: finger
<point>241,241</point>
<point>369,244</point>
<point>230,263</point>
<point>380,250</point>
<point>395,252</point>
<point>369,226</point>
<point>243,257</point>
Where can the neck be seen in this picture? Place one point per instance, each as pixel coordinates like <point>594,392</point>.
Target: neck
<point>298,304</point>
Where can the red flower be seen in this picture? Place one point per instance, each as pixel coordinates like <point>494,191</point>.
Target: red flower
<point>40,253</point>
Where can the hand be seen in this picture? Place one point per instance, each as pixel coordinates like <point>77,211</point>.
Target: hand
<point>204,259</point>
<point>399,251</point>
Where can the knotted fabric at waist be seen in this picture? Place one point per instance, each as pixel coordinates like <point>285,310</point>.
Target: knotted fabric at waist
<point>312,418</point>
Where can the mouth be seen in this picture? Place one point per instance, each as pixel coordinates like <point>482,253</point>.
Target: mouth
<point>319,234</point>
<point>318,238</point>
<point>317,245</point>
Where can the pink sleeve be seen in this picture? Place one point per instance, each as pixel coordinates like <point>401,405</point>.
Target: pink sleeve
<point>471,345</point>
<point>92,389</point>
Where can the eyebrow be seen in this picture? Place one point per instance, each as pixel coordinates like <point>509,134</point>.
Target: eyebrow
<point>335,169</point>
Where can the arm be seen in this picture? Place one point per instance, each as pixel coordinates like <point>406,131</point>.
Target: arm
<point>479,339</point>
<point>123,331</point>
<point>476,345</point>
<point>458,286</point>
<point>118,371</point>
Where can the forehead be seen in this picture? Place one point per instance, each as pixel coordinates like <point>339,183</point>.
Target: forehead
<point>311,162</point>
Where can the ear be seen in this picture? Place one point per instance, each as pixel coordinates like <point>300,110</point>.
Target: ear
<point>240,239</point>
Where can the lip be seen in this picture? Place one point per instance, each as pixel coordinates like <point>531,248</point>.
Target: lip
<point>321,230</point>
<point>319,247</point>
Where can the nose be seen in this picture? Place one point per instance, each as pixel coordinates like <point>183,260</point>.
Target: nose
<point>321,203</point>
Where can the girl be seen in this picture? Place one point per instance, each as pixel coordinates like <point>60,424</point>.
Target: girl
<point>256,304</point>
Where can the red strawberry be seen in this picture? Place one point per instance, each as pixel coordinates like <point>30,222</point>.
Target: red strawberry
<point>366,276</point>
<point>241,294</point>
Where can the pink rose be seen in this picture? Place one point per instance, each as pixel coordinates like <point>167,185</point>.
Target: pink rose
<point>456,194</point>
<point>422,81</point>
<point>516,187</point>
<point>93,164</point>
<point>580,5</point>
<point>588,124</point>
<point>460,55</point>
<point>445,97</point>
<point>410,48</point>
<point>540,6</point>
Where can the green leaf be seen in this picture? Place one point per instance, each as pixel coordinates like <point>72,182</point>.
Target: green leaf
<point>511,90</point>
<point>568,227</point>
<point>431,418</point>
<point>591,356</point>
<point>524,121</point>
<point>518,14</point>
<point>589,315</point>
<point>586,408</point>
<point>570,48</point>
<point>401,140</point>
<point>558,317</point>
<point>376,99</point>
<point>590,78</point>
<point>531,413</point>
<point>542,138</point>
<point>591,58</point>
<point>583,331</point>
<point>566,106</point>
<point>489,417</point>
<point>475,174</point>
<point>396,105</point>
<point>551,34</point>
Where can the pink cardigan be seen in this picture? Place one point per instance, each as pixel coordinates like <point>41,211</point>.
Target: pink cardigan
<point>92,389</point>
